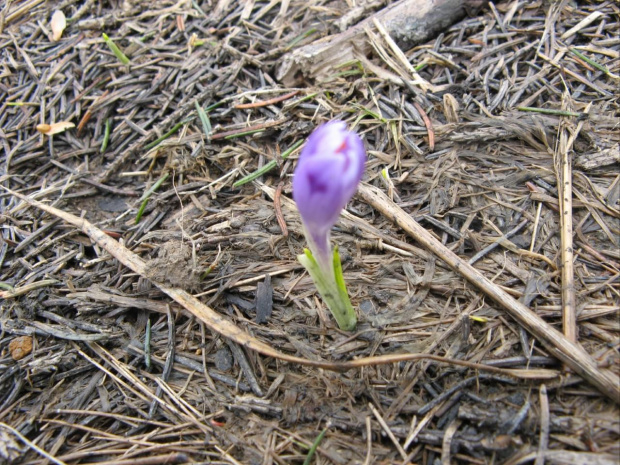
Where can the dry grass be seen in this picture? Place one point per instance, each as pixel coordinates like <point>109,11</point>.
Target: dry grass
<point>484,266</point>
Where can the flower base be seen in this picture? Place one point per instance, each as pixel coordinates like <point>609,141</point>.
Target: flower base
<point>332,288</point>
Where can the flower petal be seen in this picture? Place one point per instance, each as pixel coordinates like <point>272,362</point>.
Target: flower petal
<point>330,167</point>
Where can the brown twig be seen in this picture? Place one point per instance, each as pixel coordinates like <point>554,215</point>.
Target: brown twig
<point>447,441</point>
<point>175,457</point>
<point>256,127</point>
<point>92,182</point>
<point>277,205</point>
<point>428,124</point>
<point>264,103</point>
<point>387,430</point>
<point>88,114</point>
<point>84,121</point>
<point>544,426</point>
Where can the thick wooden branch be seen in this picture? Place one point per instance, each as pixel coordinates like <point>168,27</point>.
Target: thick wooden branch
<point>409,22</point>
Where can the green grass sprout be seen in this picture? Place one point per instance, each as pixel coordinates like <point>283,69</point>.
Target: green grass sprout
<point>315,446</point>
<point>204,119</point>
<point>299,38</point>
<point>157,141</point>
<point>215,105</point>
<point>116,50</point>
<point>301,99</point>
<point>269,166</point>
<point>198,9</point>
<point>245,133</point>
<point>147,195</point>
<point>590,61</point>
<point>546,111</point>
<point>370,113</point>
<point>106,135</point>
<point>147,36</point>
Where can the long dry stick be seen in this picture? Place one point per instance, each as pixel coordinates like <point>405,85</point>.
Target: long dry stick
<point>565,202</point>
<point>563,168</point>
<point>554,341</point>
<point>221,325</point>
<point>543,442</point>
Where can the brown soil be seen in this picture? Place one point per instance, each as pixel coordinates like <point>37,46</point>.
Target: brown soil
<point>153,310</point>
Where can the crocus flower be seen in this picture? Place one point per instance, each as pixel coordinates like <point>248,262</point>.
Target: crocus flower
<point>330,167</point>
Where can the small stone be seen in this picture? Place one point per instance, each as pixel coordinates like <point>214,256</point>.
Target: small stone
<point>367,307</point>
<point>264,301</point>
<point>20,347</point>
<point>223,359</point>
<point>237,222</point>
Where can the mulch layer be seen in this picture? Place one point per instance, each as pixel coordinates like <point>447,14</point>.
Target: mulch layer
<point>152,307</point>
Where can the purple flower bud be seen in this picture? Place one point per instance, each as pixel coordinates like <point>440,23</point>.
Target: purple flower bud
<point>330,167</point>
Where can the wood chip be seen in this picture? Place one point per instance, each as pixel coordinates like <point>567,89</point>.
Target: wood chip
<point>54,128</point>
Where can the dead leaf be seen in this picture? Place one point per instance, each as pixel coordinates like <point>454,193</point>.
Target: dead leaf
<point>58,24</point>
<point>20,347</point>
<point>450,108</point>
<point>54,128</point>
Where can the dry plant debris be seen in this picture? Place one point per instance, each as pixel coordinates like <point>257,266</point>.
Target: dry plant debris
<point>58,24</point>
<point>132,259</point>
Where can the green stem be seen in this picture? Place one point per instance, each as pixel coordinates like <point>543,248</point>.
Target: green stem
<point>315,446</point>
<point>333,291</point>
